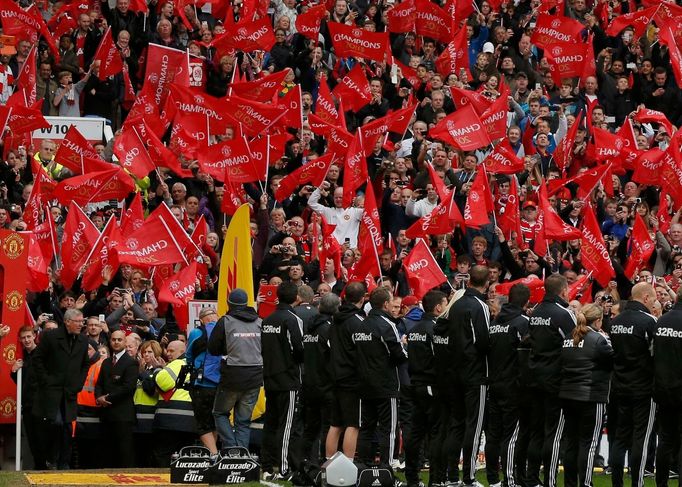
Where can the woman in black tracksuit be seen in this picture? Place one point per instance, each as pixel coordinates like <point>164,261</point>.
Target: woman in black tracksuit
<point>586,363</point>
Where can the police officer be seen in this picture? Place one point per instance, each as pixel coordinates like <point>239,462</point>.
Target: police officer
<point>425,413</point>
<point>379,352</point>
<point>586,363</point>
<point>668,388</point>
<point>463,365</point>
<point>632,333</point>
<point>282,349</point>
<point>502,430</point>
<point>550,324</point>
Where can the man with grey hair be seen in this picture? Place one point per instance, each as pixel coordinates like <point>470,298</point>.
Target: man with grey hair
<point>305,309</point>
<point>61,366</point>
<point>317,382</point>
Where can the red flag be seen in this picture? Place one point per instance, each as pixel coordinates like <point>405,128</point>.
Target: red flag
<point>34,206</point>
<point>46,237</point>
<point>354,172</point>
<point>494,119</point>
<point>349,41</point>
<point>422,271</point>
<point>94,187</point>
<point>308,23</point>
<point>233,198</point>
<point>161,155</point>
<point>455,56</point>
<point>442,219</point>
<point>432,21</point>
<point>663,215</point>
<point>263,89</point>
<point>396,122</point>
<point>463,129</point>
<point>589,179</point>
<point>590,66</point>
<point>27,77</point>
<point>23,119</point>
<point>459,10</point>
<point>479,201</point>
<point>593,251</point>
<point>369,236</point>
<point>231,160</point>
<point>567,60</point>
<point>247,36</point>
<point>313,172</point>
<point>132,154</point>
<point>554,228</point>
<point>324,105</point>
<point>164,66</point>
<point>73,149</point>
<point>667,37</point>
<point>354,87</point>
<point>638,20</point>
<point>578,287</point>
<point>111,62</point>
<point>31,18</point>
<point>139,6</point>
<point>648,166</point>
<point>402,18</point>
<point>641,247</point>
<point>503,160</point>
<point>102,257</point>
<point>606,145</point>
<point>179,289</point>
<point>133,216</point>
<point>550,30</point>
<point>563,155</point>
<point>629,152</point>
<point>39,280</point>
<point>644,115</point>
<point>462,97</point>
<point>153,244</point>
<point>671,170</point>
<point>339,139</point>
<point>532,282</point>
<point>509,216</point>
<point>79,236</point>
<point>292,106</point>
<point>253,117</point>
<point>444,193</point>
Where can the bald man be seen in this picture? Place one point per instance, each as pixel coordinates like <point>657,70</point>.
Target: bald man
<point>632,333</point>
<point>175,349</point>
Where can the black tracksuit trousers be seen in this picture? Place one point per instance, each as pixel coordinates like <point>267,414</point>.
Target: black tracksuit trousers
<point>635,422</point>
<point>426,421</point>
<point>546,428</point>
<point>669,440</point>
<point>501,435</point>
<point>584,421</point>
<point>378,416</point>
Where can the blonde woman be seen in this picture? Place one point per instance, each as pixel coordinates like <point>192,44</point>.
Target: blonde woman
<point>586,363</point>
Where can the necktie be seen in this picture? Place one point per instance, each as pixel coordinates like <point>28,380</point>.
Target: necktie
<point>113,360</point>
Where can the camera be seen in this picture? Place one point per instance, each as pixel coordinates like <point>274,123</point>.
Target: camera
<point>48,316</point>
<point>607,298</point>
<point>401,183</point>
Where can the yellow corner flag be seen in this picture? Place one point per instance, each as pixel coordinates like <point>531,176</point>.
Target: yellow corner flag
<point>236,262</point>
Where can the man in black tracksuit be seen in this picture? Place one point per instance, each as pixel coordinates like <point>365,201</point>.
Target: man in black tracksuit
<point>426,402</point>
<point>550,324</point>
<point>632,332</point>
<point>379,352</point>
<point>282,349</point>
<point>502,430</point>
<point>462,363</point>
<point>317,383</point>
<point>345,414</point>
<point>668,389</point>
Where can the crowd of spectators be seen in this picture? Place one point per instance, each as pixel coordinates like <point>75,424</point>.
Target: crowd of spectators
<point>633,73</point>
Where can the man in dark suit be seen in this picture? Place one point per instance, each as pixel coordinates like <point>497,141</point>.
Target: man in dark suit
<point>114,391</point>
<point>61,364</point>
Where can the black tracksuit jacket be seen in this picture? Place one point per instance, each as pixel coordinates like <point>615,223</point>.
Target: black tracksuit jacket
<point>550,324</point>
<point>586,368</point>
<point>379,352</point>
<point>632,333</point>
<point>282,349</point>
<point>343,365</point>
<point>505,335</point>
<point>421,360</point>
<point>668,357</point>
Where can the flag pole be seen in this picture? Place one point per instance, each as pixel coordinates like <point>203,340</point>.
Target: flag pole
<point>17,455</point>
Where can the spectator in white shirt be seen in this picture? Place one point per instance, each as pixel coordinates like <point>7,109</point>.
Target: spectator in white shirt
<point>425,205</point>
<point>347,220</point>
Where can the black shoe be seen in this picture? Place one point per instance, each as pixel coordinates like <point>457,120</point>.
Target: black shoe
<point>648,473</point>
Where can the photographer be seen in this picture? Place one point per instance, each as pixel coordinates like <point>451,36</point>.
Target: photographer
<point>280,257</point>
<point>116,317</point>
<point>425,205</point>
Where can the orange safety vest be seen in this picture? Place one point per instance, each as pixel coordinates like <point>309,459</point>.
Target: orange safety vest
<point>86,397</point>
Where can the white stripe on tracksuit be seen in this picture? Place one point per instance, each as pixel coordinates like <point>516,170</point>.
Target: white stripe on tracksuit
<point>598,418</point>
<point>645,446</point>
<point>287,432</point>
<point>394,424</point>
<point>555,451</point>
<point>479,427</point>
<point>510,456</point>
